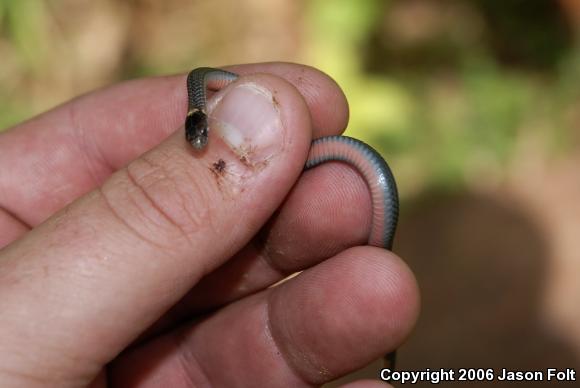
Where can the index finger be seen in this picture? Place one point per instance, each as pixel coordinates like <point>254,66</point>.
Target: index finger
<point>66,152</point>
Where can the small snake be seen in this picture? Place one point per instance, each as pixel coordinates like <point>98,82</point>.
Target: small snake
<point>362,157</point>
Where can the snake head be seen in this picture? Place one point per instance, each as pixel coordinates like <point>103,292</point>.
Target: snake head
<point>196,130</point>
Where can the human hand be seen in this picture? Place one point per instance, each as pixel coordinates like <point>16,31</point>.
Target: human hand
<point>112,262</point>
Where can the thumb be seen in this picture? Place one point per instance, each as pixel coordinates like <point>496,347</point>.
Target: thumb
<point>86,283</point>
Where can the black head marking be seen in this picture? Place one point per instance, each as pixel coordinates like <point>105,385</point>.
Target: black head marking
<point>196,130</point>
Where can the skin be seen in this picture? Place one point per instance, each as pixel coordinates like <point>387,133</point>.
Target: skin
<point>126,262</point>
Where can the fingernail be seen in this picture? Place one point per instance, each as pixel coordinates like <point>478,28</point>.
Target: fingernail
<point>248,120</point>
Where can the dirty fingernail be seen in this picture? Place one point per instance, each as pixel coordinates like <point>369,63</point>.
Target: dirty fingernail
<point>248,119</point>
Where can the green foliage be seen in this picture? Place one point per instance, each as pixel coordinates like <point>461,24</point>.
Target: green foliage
<point>444,124</point>
<point>25,24</point>
<point>445,90</point>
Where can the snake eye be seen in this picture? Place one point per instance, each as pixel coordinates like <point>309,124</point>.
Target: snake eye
<point>196,129</point>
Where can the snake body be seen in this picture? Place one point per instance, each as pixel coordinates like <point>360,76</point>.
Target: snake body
<point>198,81</point>
<point>367,161</point>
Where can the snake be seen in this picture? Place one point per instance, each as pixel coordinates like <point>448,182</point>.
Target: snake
<point>356,153</point>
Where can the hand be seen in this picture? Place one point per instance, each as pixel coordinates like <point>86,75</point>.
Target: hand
<point>133,268</point>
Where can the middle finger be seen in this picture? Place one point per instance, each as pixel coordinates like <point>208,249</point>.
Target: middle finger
<point>317,220</point>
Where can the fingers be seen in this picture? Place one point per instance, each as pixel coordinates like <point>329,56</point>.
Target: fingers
<point>327,103</point>
<point>10,228</point>
<point>327,211</point>
<point>90,279</point>
<point>340,317</point>
<point>328,321</point>
<point>67,152</point>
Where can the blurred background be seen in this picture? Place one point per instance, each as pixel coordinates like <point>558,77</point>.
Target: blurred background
<point>474,103</point>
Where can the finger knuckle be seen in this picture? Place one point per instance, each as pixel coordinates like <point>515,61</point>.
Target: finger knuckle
<point>159,198</point>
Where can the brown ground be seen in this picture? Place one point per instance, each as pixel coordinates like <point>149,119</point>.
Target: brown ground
<point>498,272</point>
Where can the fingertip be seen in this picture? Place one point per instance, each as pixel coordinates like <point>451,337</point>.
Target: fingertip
<point>326,100</point>
<point>345,312</point>
<point>385,286</point>
<point>397,290</point>
<point>264,120</point>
